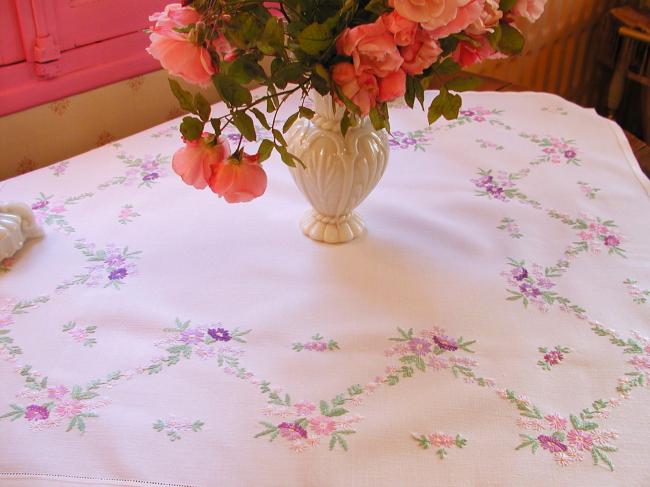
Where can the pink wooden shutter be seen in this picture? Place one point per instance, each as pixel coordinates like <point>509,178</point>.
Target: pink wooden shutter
<point>54,48</point>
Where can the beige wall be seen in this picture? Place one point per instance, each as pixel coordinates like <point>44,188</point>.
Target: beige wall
<point>58,130</point>
<point>561,57</point>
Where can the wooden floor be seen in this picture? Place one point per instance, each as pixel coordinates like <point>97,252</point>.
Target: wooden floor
<point>640,148</point>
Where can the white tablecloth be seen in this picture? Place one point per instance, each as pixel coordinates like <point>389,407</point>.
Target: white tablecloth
<point>490,329</point>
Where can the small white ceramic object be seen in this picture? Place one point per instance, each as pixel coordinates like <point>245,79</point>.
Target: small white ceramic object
<point>340,171</point>
<point>17,224</point>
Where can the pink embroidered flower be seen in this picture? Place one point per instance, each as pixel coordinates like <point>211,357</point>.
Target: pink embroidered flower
<point>322,425</point>
<point>556,422</point>
<point>554,357</point>
<point>441,440</point>
<point>36,413</point>
<point>612,241</point>
<point>67,409</point>
<point>437,363</point>
<point>372,48</point>
<point>58,209</point>
<point>446,343</point>
<point>204,351</point>
<point>641,362</point>
<point>239,180</point>
<point>78,334</point>
<point>582,440</point>
<point>419,346</point>
<point>304,408</point>
<point>57,392</point>
<point>551,444</point>
<point>291,431</point>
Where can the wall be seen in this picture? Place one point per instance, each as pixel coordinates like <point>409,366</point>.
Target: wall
<point>55,131</point>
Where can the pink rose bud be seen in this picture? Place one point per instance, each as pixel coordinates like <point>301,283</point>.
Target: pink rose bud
<point>239,181</point>
<point>194,162</point>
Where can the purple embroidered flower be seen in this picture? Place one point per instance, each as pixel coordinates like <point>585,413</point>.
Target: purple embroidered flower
<point>292,431</point>
<point>149,165</point>
<point>554,357</point>
<point>519,274</point>
<point>192,336</point>
<point>151,176</point>
<point>115,260</point>
<point>570,154</point>
<point>409,141</point>
<point>545,283</point>
<point>393,142</point>
<point>484,181</point>
<point>419,346</point>
<point>36,413</point>
<point>496,191</point>
<point>467,113</point>
<point>446,343</point>
<point>220,334</point>
<point>118,274</point>
<point>612,241</point>
<point>40,204</point>
<point>551,444</point>
<point>529,290</point>
<point>398,134</point>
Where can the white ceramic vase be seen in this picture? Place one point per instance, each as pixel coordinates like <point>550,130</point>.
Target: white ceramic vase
<point>339,171</point>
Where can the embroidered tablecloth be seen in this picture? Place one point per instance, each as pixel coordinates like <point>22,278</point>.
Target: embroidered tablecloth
<point>491,328</point>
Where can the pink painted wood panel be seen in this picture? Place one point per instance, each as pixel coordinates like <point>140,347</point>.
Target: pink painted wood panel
<point>56,48</point>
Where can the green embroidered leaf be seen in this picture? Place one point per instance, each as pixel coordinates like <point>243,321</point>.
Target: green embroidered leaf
<point>337,412</point>
<point>324,408</point>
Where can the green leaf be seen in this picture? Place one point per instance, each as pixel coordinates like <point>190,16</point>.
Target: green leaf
<point>437,106</point>
<point>506,5</point>
<point>184,97</point>
<point>315,39</point>
<point>290,121</point>
<point>272,39</point>
<point>261,118</point>
<point>463,84</point>
<point>345,123</point>
<point>512,41</point>
<point>378,121</point>
<point>233,93</point>
<point>245,125</point>
<point>203,107</point>
<point>191,128</point>
<point>307,113</point>
<point>265,150</point>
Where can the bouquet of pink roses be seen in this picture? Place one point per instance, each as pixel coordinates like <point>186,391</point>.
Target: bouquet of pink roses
<point>364,53</point>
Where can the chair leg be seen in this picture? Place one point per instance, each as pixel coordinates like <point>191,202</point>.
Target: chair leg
<point>617,85</point>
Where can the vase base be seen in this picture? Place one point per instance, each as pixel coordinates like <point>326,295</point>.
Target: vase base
<point>332,230</point>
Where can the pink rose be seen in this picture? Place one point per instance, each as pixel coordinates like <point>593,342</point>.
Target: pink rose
<point>465,16</point>
<point>489,18</point>
<point>274,9</point>
<point>432,14</point>
<point>529,9</point>
<point>176,52</point>
<point>467,54</point>
<point>239,181</point>
<point>372,48</point>
<point>194,162</point>
<point>421,54</point>
<point>362,89</point>
<point>402,29</point>
<point>392,86</point>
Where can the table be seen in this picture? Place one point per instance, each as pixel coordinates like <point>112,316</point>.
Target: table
<point>490,329</point>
